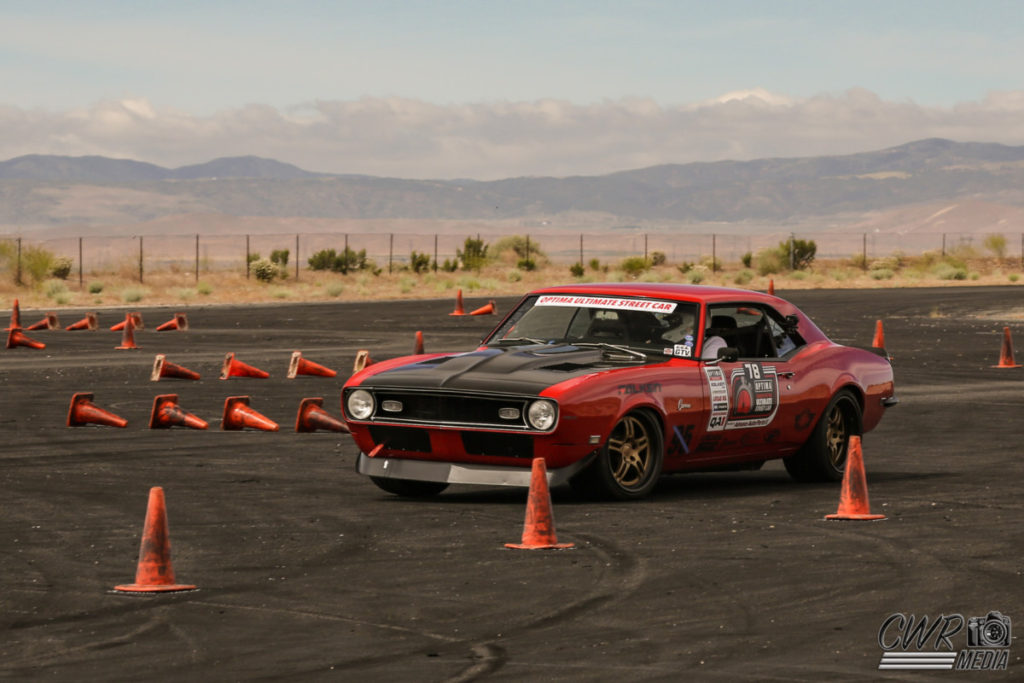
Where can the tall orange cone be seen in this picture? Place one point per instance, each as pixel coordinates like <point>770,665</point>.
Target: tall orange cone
<point>301,366</point>
<point>82,411</point>
<point>487,309</point>
<point>15,323</point>
<point>167,413</point>
<point>16,338</point>
<point>49,322</point>
<point>128,334</point>
<point>312,417</point>
<point>1005,353</point>
<point>154,573</point>
<point>418,349</point>
<point>879,341</point>
<point>458,305</point>
<point>89,322</point>
<point>233,367</point>
<point>853,499</point>
<point>539,527</point>
<point>136,317</point>
<point>165,368</point>
<point>238,415</point>
<point>771,287</point>
<point>178,322</point>
<point>362,360</point>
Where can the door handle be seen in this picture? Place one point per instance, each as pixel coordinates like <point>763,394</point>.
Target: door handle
<point>788,374</point>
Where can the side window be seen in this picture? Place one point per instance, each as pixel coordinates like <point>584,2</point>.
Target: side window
<point>755,331</point>
<point>783,340</point>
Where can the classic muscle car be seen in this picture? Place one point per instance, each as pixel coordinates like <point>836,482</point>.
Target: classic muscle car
<point>614,385</point>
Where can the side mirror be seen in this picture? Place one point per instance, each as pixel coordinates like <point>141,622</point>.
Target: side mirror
<point>729,354</point>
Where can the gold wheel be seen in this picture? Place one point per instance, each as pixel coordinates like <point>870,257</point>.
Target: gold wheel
<point>630,452</point>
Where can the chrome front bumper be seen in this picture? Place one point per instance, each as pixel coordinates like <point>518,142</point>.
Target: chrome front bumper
<point>456,473</point>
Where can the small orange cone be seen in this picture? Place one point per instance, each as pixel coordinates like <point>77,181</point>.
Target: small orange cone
<point>233,367</point>
<point>1005,353</point>
<point>853,499</point>
<point>136,321</point>
<point>167,413</point>
<point>154,573</point>
<point>16,338</point>
<point>487,309</point>
<point>82,411</point>
<point>771,287</point>
<point>238,415</point>
<point>300,366</point>
<point>127,334</point>
<point>89,322</point>
<point>362,360</point>
<point>49,322</point>
<point>312,417</point>
<point>15,317</point>
<point>165,368</point>
<point>539,527</point>
<point>458,305</point>
<point>178,322</point>
<point>879,341</point>
<point>418,349</point>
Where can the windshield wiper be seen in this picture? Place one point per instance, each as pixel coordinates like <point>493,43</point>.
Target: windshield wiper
<point>519,340</point>
<point>604,346</point>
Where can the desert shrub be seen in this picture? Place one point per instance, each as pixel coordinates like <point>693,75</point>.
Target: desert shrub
<point>281,294</point>
<point>514,276</point>
<point>264,271</point>
<point>95,287</point>
<point>52,288</point>
<point>996,243</point>
<point>473,254</point>
<point>769,262</point>
<point>450,266</point>
<point>349,259</point>
<point>323,260</point>
<point>797,253</point>
<point>61,267</point>
<point>335,289</point>
<point>881,273</point>
<point>527,264</point>
<point>658,258</point>
<point>747,259</point>
<point>684,267</point>
<point>280,257</point>
<point>885,263</point>
<point>576,270</point>
<point>711,263</point>
<point>204,288</point>
<point>697,275</point>
<point>131,295</point>
<point>1013,277</point>
<point>518,247</point>
<point>859,261</point>
<point>594,264</point>
<point>253,256</point>
<point>948,271</point>
<point>634,265</point>
<point>419,263</point>
<point>743,277</point>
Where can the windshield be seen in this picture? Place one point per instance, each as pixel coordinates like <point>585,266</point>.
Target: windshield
<point>667,327</point>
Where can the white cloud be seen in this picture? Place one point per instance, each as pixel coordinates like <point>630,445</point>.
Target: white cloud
<point>409,138</point>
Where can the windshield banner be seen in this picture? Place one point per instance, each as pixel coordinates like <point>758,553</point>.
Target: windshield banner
<point>606,302</point>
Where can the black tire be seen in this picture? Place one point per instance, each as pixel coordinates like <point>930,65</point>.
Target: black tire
<point>409,487</point>
<point>823,456</point>
<point>628,464</point>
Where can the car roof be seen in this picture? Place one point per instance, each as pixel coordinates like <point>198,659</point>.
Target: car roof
<point>663,290</point>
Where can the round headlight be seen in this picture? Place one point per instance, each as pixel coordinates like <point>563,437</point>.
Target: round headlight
<point>541,414</point>
<point>360,404</point>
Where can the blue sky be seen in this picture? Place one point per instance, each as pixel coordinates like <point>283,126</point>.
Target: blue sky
<point>76,73</point>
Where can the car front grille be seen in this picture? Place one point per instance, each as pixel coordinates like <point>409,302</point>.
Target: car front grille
<point>450,409</point>
<point>401,438</point>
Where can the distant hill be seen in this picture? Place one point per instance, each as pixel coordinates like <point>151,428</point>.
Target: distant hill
<point>39,191</point>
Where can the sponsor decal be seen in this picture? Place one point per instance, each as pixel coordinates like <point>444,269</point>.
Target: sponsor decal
<point>649,388</point>
<point>683,350</point>
<point>912,643</point>
<point>606,302</point>
<point>750,397</point>
<point>680,445</point>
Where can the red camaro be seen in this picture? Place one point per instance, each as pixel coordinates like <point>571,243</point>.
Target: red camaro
<point>614,385</point>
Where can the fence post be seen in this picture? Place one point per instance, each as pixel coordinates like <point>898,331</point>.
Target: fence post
<point>17,275</point>
<point>197,257</point>
<point>943,245</point>
<point>344,259</point>
<point>714,253</point>
<point>246,257</point>
<point>296,257</point>
<point>527,249</point>
<point>391,250</point>
<point>792,251</point>
<point>645,246</point>
<point>581,249</point>
<point>79,262</point>
<point>141,280</point>
<point>864,251</point>
<point>435,252</point>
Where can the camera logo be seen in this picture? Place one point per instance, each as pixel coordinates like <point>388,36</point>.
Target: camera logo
<point>990,631</point>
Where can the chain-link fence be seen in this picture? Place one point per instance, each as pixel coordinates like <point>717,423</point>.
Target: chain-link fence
<point>134,257</point>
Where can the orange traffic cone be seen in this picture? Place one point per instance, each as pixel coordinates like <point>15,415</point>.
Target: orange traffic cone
<point>312,417</point>
<point>178,322</point>
<point>89,322</point>
<point>238,415</point>
<point>300,366</point>
<point>362,360</point>
<point>879,341</point>
<point>16,338</point>
<point>165,368</point>
<point>82,411</point>
<point>127,334</point>
<point>771,287</point>
<point>487,309</point>
<point>233,367</point>
<point>539,527</point>
<point>853,499</point>
<point>167,413</point>
<point>418,349</point>
<point>49,322</point>
<point>154,573</point>
<point>15,317</point>
<point>1005,353</point>
<point>458,305</point>
<point>136,321</point>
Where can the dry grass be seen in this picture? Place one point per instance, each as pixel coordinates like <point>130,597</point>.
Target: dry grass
<point>119,289</point>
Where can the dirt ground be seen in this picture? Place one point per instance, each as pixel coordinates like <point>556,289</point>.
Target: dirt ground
<point>308,571</point>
